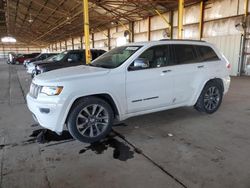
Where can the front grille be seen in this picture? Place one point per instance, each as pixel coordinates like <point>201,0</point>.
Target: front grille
<point>34,90</point>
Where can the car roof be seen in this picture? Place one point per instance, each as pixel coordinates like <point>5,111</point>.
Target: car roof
<point>82,50</point>
<point>169,41</point>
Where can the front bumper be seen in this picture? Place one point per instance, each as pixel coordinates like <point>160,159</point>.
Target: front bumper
<point>49,114</point>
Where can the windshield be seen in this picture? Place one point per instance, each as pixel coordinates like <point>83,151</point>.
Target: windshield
<point>60,56</point>
<point>115,57</point>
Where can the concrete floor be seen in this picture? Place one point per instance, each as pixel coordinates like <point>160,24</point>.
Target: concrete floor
<point>175,148</point>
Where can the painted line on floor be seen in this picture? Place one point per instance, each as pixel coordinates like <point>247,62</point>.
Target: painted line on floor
<point>139,151</point>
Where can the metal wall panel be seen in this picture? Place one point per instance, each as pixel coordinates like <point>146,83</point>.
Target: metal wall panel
<point>220,8</point>
<point>141,37</point>
<point>221,27</point>
<point>231,52</point>
<point>141,26</point>
<point>191,14</point>
<point>158,23</point>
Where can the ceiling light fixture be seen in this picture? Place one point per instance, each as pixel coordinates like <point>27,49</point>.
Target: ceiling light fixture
<point>8,40</point>
<point>30,20</point>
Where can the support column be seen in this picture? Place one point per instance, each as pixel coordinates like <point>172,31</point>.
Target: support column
<point>180,19</point>
<point>93,40</point>
<point>243,54</point>
<point>86,30</point>
<point>201,19</point>
<point>81,42</point>
<point>66,45</point>
<point>72,43</point>
<point>149,29</point>
<point>109,40</point>
<point>171,19</point>
<point>60,46</point>
<point>131,34</point>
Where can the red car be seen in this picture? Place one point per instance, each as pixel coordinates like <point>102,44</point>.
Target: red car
<point>20,59</point>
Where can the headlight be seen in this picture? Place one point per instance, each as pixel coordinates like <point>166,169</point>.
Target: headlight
<point>51,90</point>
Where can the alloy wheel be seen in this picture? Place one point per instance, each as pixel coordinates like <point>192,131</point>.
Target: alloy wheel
<point>92,120</point>
<point>212,98</point>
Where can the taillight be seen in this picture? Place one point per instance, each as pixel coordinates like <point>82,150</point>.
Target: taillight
<point>229,66</point>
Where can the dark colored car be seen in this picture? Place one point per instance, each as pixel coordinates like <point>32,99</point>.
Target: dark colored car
<point>40,57</point>
<point>65,59</point>
<point>20,59</point>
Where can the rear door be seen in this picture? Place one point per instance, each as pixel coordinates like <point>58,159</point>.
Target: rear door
<point>210,60</point>
<point>188,69</point>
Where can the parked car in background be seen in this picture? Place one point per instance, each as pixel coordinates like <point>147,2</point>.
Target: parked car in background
<point>66,59</point>
<point>11,57</point>
<point>20,59</point>
<point>40,57</point>
<point>31,66</point>
<point>128,81</point>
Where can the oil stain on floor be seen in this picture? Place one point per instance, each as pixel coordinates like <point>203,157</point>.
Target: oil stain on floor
<point>121,151</point>
<point>44,136</point>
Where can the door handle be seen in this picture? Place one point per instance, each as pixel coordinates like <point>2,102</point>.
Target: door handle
<point>200,66</point>
<point>166,71</point>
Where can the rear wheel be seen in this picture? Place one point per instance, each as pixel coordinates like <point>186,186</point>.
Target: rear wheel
<point>90,120</point>
<point>210,98</point>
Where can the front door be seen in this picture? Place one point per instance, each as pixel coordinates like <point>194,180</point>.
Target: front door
<point>152,87</point>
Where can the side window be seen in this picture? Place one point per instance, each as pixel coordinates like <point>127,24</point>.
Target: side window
<point>157,56</point>
<point>207,53</point>
<point>94,54</point>
<point>76,57</point>
<point>185,54</point>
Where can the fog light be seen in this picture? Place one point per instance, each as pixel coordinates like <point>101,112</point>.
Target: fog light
<point>44,110</point>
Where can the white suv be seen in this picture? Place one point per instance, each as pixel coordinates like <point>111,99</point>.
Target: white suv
<point>128,81</point>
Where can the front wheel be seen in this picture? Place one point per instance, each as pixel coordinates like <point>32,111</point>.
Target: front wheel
<point>210,98</point>
<point>90,120</point>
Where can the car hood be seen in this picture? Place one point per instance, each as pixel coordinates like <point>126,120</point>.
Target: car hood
<point>70,73</point>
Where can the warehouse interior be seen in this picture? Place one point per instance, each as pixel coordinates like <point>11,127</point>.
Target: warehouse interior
<point>173,148</point>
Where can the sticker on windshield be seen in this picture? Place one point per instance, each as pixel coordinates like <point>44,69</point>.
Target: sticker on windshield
<point>133,48</point>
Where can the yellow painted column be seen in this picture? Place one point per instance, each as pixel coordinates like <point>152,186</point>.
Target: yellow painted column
<point>201,19</point>
<point>180,19</point>
<point>246,7</point>
<point>86,30</point>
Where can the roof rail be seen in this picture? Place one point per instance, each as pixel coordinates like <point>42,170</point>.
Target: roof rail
<point>191,40</point>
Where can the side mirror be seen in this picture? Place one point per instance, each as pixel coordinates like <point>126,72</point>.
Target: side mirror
<point>140,63</point>
<point>70,60</point>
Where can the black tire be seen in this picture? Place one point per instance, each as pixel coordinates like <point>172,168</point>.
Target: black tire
<point>202,104</point>
<point>32,75</point>
<point>78,109</point>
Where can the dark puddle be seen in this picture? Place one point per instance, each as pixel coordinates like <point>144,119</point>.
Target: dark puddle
<point>44,136</point>
<point>121,151</point>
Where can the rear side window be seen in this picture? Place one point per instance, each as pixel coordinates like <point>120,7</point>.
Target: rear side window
<point>207,53</point>
<point>185,54</point>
